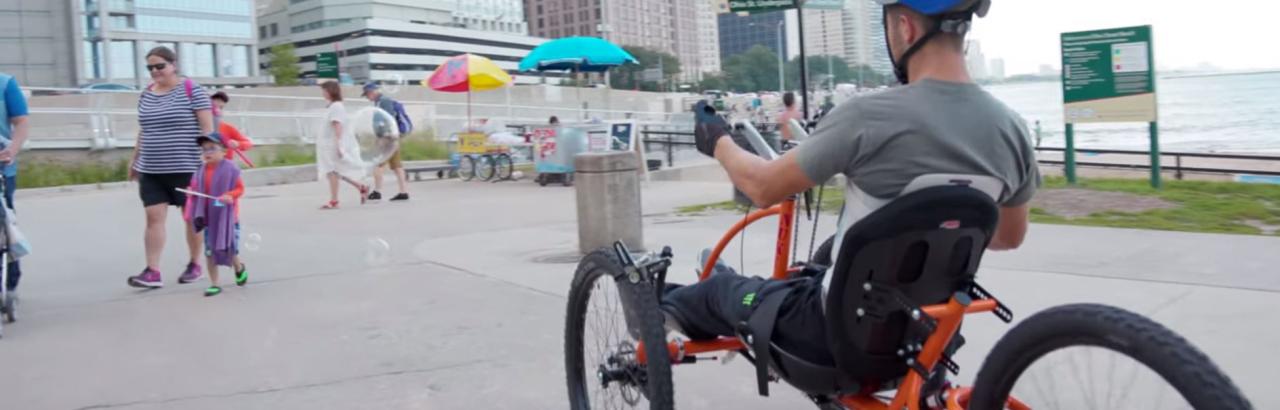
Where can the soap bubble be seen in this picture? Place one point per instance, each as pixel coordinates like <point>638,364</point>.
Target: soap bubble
<point>377,134</point>
<point>377,251</point>
<point>252,242</point>
<point>393,86</point>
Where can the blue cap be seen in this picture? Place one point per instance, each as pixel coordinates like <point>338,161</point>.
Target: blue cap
<point>370,86</point>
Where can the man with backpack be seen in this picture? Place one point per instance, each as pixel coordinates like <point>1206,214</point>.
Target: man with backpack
<point>373,92</point>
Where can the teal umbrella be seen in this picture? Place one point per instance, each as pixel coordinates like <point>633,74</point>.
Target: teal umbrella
<point>579,54</point>
<point>576,54</point>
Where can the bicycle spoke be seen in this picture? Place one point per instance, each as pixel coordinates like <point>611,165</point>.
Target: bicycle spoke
<point>1094,378</point>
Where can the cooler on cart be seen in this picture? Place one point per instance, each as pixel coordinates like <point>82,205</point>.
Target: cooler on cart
<point>553,152</point>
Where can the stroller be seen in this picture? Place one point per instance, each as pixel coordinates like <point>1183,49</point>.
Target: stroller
<point>8,303</point>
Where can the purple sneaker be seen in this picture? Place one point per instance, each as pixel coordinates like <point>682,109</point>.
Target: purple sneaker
<point>147,279</point>
<point>192,274</point>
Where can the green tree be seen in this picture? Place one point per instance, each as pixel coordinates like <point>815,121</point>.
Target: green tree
<point>820,73</point>
<point>630,77</point>
<point>713,81</point>
<point>284,65</point>
<point>754,70</point>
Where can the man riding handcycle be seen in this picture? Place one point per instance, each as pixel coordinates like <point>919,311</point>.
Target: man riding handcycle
<point>936,172</point>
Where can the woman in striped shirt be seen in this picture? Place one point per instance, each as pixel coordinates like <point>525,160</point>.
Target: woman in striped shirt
<point>172,112</point>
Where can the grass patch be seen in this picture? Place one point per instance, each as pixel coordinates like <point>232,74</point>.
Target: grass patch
<point>286,155</point>
<point>419,149</point>
<point>1203,206</point>
<point>40,174</point>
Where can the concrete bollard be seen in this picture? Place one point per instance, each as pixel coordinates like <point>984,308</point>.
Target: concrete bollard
<point>608,189</point>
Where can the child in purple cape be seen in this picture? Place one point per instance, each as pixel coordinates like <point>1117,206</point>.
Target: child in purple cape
<point>218,219</point>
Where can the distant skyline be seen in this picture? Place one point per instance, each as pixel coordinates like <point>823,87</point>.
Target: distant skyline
<point>1188,34</point>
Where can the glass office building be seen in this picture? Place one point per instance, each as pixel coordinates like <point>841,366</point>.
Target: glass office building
<point>215,40</point>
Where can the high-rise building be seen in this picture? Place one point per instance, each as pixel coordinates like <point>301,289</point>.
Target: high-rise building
<point>739,33</point>
<point>36,43</point>
<point>708,42</point>
<point>824,32</point>
<point>666,26</point>
<point>864,36</point>
<point>395,40</point>
<point>974,60</point>
<point>79,42</point>
<point>504,16</point>
<point>997,69</point>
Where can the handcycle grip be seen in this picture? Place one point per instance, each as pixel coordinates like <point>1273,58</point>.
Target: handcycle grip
<point>757,141</point>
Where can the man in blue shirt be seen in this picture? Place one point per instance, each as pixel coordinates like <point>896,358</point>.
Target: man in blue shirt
<point>13,133</point>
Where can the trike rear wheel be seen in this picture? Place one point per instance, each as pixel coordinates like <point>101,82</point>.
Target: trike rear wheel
<point>600,353</point>
<point>1100,357</point>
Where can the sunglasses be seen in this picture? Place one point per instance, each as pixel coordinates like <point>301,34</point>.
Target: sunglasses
<point>210,150</point>
<point>157,67</point>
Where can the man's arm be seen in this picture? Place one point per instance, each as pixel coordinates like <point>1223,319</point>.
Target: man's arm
<point>16,104</point>
<point>1012,228</point>
<point>21,127</point>
<point>765,182</point>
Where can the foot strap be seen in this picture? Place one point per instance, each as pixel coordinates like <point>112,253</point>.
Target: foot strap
<point>760,332</point>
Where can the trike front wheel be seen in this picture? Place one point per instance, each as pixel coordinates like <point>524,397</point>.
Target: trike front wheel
<point>601,362</point>
<point>1089,356</point>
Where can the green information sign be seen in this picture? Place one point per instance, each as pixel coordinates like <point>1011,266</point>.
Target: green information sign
<point>1108,75</point>
<point>757,6</point>
<point>327,65</point>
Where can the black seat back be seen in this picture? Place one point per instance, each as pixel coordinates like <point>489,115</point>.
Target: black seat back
<point>926,244</point>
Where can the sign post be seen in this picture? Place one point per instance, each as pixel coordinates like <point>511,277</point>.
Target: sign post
<point>1109,76</point>
<point>327,65</point>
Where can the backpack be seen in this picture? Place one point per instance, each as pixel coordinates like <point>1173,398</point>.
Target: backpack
<point>402,118</point>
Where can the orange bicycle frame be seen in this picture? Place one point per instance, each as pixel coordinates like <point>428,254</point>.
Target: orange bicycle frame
<point>786,212</point>
<point>948,315</point>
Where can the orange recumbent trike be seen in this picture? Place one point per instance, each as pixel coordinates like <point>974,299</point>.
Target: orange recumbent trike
<point>901,285</point>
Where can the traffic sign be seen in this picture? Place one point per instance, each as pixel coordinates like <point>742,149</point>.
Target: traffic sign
<point>327,65</point>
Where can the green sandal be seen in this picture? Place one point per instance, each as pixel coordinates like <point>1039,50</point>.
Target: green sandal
<point>212,291</point>
<point>242,275</point>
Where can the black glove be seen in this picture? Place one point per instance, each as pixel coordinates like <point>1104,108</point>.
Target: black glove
<point>199,224</point>
<point>708,128</point>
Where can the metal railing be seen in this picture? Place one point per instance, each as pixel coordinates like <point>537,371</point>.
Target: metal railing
<point>668,141</point>
<point>77,119</point>
<point>1177,167</point>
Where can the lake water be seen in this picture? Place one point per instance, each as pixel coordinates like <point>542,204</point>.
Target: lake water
<point>1236,114</point>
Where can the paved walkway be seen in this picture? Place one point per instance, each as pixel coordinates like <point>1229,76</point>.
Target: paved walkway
<point>466,310</point>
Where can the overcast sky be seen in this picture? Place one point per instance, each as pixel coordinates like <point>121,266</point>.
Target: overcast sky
<point>1227,34</point>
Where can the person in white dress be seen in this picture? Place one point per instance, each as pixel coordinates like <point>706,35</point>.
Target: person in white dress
<point>337,151</point>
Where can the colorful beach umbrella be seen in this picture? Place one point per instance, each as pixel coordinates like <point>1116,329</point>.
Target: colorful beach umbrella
<point>467,72</point>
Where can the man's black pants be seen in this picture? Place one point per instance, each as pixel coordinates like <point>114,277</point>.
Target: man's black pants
<point>722,304</point>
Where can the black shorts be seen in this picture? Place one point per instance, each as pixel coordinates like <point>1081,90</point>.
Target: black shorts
<point>156,189</point>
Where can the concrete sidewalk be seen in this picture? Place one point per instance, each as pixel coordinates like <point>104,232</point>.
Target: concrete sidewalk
<point>466,308</point>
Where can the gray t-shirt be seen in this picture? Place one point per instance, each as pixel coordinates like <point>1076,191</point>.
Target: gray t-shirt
<point>884,141</point>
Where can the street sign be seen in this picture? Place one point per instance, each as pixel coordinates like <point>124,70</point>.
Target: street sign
<point>327,65</point>
<point>757,6</point>
<point>1108,76</point>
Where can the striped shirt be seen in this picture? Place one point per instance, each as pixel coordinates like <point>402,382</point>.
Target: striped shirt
<point>169,130</point>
